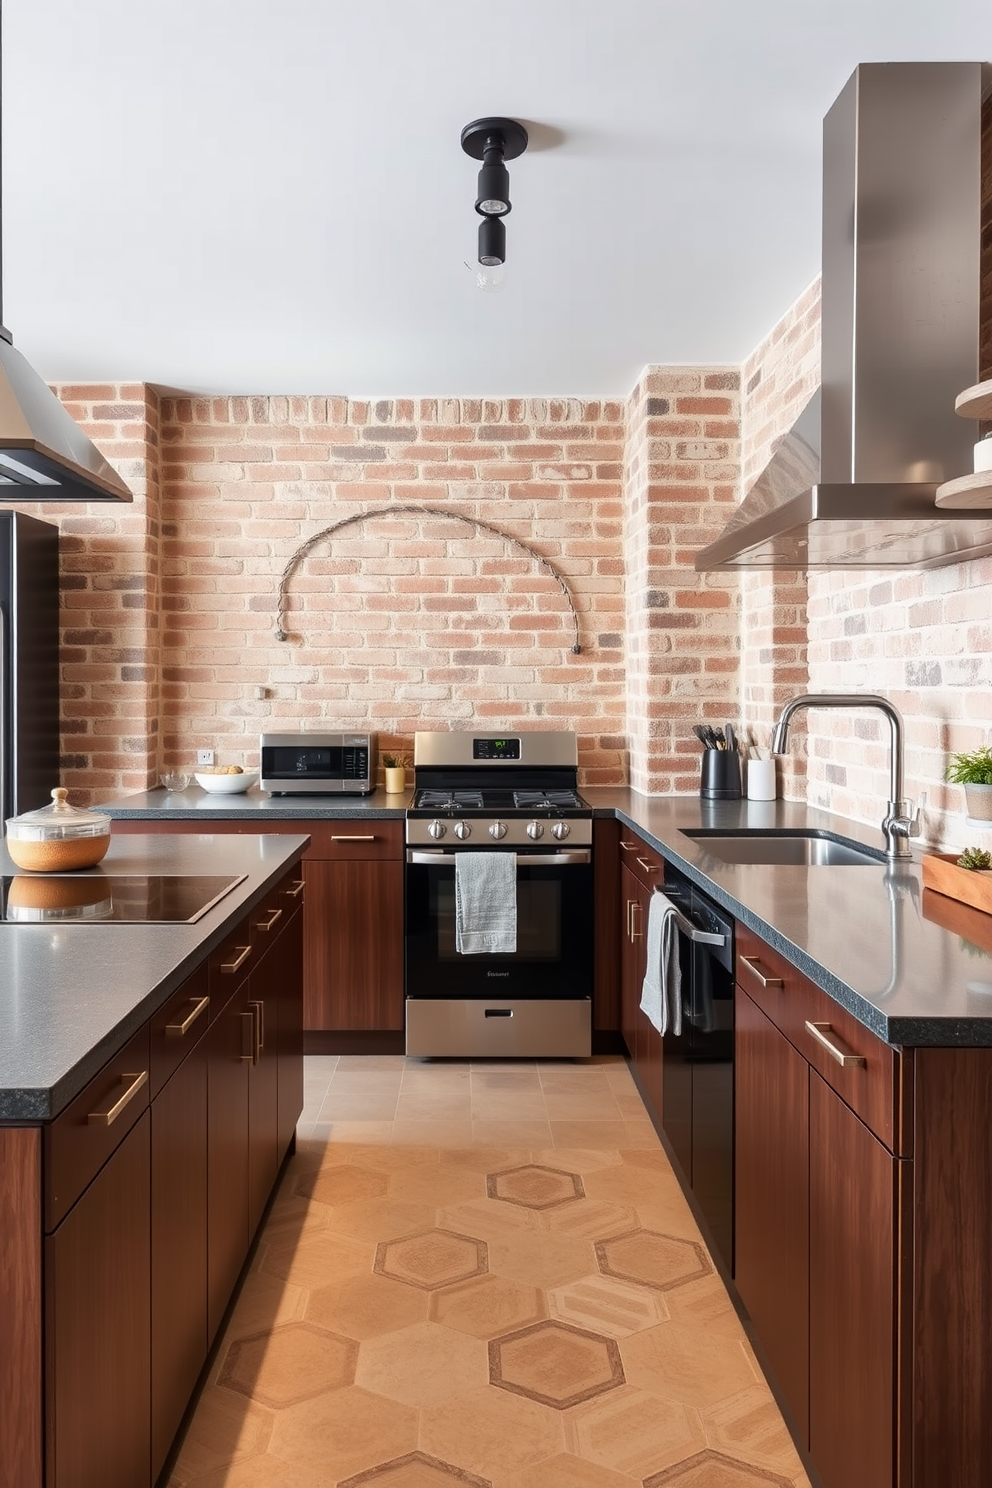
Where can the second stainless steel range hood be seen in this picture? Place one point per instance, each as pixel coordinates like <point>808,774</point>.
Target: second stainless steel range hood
<point>44,454</point>
<point>852,485</point>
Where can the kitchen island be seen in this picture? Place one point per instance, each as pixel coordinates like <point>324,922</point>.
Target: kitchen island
<point>150,1083</point>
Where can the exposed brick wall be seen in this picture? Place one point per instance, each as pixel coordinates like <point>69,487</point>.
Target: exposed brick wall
<point>683,658</point>
<point>399,623</point>
<point>109,557</point>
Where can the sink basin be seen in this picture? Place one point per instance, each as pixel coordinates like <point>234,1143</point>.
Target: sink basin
<point>800,849</point>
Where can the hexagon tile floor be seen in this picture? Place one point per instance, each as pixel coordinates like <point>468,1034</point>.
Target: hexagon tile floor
<point>482,1274</point>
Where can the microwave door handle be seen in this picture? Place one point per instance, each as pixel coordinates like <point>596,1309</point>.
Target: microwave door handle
<point>698,937</point>
<point>430,858</point>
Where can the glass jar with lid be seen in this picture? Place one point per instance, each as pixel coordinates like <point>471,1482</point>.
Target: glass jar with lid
<point>58,838</point>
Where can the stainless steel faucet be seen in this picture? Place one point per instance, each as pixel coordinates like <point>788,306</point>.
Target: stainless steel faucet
<point>901,821</point>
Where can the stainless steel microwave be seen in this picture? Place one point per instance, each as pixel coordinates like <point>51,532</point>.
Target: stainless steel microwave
<point>315,764</point>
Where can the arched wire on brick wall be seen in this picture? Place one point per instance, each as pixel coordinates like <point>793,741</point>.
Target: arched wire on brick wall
<point>421,511</point>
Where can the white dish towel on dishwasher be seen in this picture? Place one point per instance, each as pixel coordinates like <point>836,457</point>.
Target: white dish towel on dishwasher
<point>661,991</point>
<point>485,903</point>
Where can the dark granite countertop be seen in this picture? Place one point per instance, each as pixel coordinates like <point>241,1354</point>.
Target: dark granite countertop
<point>195,804</point>
<point>72,994</point>
<point>911,965</point>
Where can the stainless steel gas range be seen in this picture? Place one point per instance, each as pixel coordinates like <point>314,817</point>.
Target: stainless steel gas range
<point>506,794</point>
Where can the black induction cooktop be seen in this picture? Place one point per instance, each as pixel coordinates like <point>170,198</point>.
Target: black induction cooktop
<point>97,898</point>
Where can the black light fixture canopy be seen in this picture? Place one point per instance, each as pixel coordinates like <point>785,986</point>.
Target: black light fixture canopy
<point>493,141</point>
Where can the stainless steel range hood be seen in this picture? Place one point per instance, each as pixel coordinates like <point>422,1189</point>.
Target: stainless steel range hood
<point>852,485</point>
<point>44,454</point>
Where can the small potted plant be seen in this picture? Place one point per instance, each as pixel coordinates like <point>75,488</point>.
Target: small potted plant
<point>974,772</point>
<point>395,774</point>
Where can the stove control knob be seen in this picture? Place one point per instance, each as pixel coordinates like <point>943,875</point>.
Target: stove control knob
<point>436,830</point>
<point>560,831</point>
<point>462,830</point>
<point>535,829</point>
<point>498,830</point>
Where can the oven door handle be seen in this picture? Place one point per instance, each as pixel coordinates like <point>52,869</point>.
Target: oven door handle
<point>689,930</point>
<point>430,857</point>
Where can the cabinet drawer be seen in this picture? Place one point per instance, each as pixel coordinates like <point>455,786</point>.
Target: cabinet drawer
<point>647,866</point>
<point>177,1026</point>
<point>356,839</point>
<point>79,1142</point>
<point>864,1071</point>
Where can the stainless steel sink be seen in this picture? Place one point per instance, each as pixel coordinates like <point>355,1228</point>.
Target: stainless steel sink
<point>800,849</point>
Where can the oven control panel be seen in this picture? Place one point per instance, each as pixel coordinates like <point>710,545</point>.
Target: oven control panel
<point>495,749</point>
<point>484,832</point>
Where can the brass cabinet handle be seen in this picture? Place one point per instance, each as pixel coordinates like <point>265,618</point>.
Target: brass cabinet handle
<point>648,867</point>
<point>636,904</point>
<point>249,1055</point>
<point>630,905</point>
<point>752,963</point>
<point>368,837</point>
<point>296,890</point>
<point>847,1061</point>
<point>176,1030</point>
<point>232,966</point>
<point>629,846</point>
<point>274,914</point>
<point>107,1118</point>
<point>258,1030</point>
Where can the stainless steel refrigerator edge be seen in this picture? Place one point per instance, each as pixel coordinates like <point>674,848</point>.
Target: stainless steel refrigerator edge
<point>29,662</point>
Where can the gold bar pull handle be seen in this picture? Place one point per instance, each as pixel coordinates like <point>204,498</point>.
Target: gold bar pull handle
<point>630,919</point>
<point>648,867</point>
<point>177,1030</point>
<point>367,837</point>
<point>628,846</point>
<point>258,1030</point>
<point>296,890</point>
<point>843,1058</point>
<point>230,967</point>
<point>249,1053</point>
<point>274,914</point>
<point>753,964</point>
<point>107,1118</point>
<point>635,934</point>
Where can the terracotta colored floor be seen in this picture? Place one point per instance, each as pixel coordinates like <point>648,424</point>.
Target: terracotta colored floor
<point>482,1275</point>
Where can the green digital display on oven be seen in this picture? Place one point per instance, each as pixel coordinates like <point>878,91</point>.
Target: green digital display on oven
<point>496,749</point>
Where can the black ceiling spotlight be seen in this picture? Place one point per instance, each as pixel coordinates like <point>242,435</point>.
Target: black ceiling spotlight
<point>493,141</point>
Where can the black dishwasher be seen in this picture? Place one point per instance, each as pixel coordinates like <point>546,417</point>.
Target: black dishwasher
<point>698,1079</point>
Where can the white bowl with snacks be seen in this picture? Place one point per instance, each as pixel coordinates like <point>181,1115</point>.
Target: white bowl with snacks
<point>226,782</point>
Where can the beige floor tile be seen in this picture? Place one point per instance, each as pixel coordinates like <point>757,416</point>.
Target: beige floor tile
<point>456,1109</point>
<point>360,1132</point>
<point>526,1103</point>
<point>372,1107</point>
<point>633,1432</point>
<point>364,1306</point>
<point>426,1364</point>
<point>437,1186</point>
<point>610,1134</point>
<point>541,1259</point>
<point>489,1431</point>
<point>386,1158</point>
<point>487,1306</point>
<point>345,1432</point>
<point>564,1471</point>
<point>318,1260</point>
<point>382,1219</point>
<point>264,1471</point>
<point>679,1361</point>
<point>490,1219</point>
<point>595,1105</point>
<point>605,1305</point>
<point>265,1302</point>
<point>483,1159</point>
<point>432,1133</point>
<point>749,1426</point>
<point>580,1159</point>
<point>512,1134</point>
<point>506,1079</point>
<point>225,1429</point>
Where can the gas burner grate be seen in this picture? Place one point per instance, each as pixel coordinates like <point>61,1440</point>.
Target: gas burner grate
<point>447,800</point>
<point>534,800</point>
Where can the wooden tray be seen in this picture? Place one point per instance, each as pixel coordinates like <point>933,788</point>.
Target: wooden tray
<point>968,885</point>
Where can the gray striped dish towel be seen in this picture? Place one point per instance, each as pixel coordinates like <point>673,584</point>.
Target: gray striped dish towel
<point>661,991</point>
<point>485,903</point>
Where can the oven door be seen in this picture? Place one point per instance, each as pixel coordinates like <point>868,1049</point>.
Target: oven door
<point>553,959</point>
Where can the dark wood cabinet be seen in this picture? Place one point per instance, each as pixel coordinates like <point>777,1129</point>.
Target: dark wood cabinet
<point>353,937</point>
<point>771,1161</point>
<point>178,1244</point>
<point>229,1045</point>
<point>289,1026</point>
<point>644,1042</point>
<point>97,1310</point>
<point>633,929</point>
<point>263,1087</point>
<point>852,1265</point>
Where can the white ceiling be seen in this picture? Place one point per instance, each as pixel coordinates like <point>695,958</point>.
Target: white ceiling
<point>270,195</point>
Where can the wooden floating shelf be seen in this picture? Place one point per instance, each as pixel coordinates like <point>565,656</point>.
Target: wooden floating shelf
<point>975,402</point>
<point>966,491</point>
